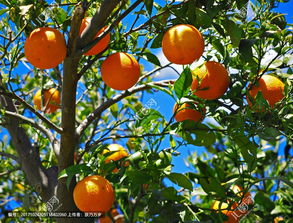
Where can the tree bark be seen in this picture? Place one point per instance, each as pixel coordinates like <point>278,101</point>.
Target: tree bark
<point>69,137</point>
<point>43,180</point>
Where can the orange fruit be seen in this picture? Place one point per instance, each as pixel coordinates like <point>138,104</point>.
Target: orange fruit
<point>185,113</point>
<point>210,81</point>
<point>115,215</point>
<point>237,211</point>
<point>120,71</point>
<point>94,194</point>
<point>271,88</point>
<point>117,153</point>
<point>48,100</point>
<point>101,45</point>
<point>45,48</point>
<point>278,219</point>
<point>182,44</point>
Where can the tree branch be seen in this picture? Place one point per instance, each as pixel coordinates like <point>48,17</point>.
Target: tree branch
<point>28,155</point>
<point>286,181</point>
<point>96,113</point>
<point>97,23</point>
<point>9,171</point>
<point>85,47</point>
<point>32,109</point>
<point>30,122</point>
<point>68,139</point>
<point>8,155</point>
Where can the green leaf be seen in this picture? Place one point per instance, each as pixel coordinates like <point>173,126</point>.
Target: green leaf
<point>234,31</point>
<point>183,83</point>
<point>146,115</point>
<point>245,49</point>
<point>172,142</point>
<point>171,194</point>
<point>138,176</point>
<point>164,89</point>
<point>60,15</point>
<point>191,12</point>
<point>157,42</point>
<point>114,110</point>
<point>219,29</point>
<point>241,4</point>
<point>197,134</point>
<point>150,58</point>
<point>149,6</point>
<point>2,11</point>
<point>219,47</point>
<point>269,134</point>
<point>205,169</point>
<point>212,185</point>
<point>181,180</point>
<point>248,150</point>
<point>264,201</point>
<point>71,171</point>
<point>202,18</point>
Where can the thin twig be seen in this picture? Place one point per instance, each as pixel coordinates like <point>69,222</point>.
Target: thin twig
<point>31,108</point>
<point>9,171</point>
<point>91,117</point>
<point>32,123</point>
<point>8,155</point>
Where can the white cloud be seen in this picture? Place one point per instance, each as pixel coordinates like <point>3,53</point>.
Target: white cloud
<point>169,73</point>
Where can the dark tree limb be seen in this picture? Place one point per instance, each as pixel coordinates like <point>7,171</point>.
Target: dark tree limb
<point>50,124</point>
<point>97,22</point>
<point>28,156</point>
<point>68,140</point>
<point>11,156</point>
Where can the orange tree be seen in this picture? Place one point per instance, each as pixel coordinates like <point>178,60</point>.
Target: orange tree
<point>44,154</point>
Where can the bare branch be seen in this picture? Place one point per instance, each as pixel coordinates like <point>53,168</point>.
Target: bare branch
<point>28,155</point>
<point>90,44</point>
<point>8,155</point>
<point>96,113</point>
<point>74,30</point>
<point>9,171</point>
<point>97,22</point>
<point>29,121</point>
<point>32,109</point>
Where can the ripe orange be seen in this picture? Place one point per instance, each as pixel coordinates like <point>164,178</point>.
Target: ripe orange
<point>118,152</point>
<point>115,215</point>
<point>120,71</point>
<point>186,113</point>
<point>47,101</point>
<point>94,194</point>
<point>182,44</point>
<point>45,48</point>
<point>271,88</point>
<point>210,81</point>
<point>237,211</point>
<point>101,45</point>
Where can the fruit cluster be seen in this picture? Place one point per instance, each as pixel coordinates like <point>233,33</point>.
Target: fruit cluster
<point>45,48</point>
<point>183,44</point>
